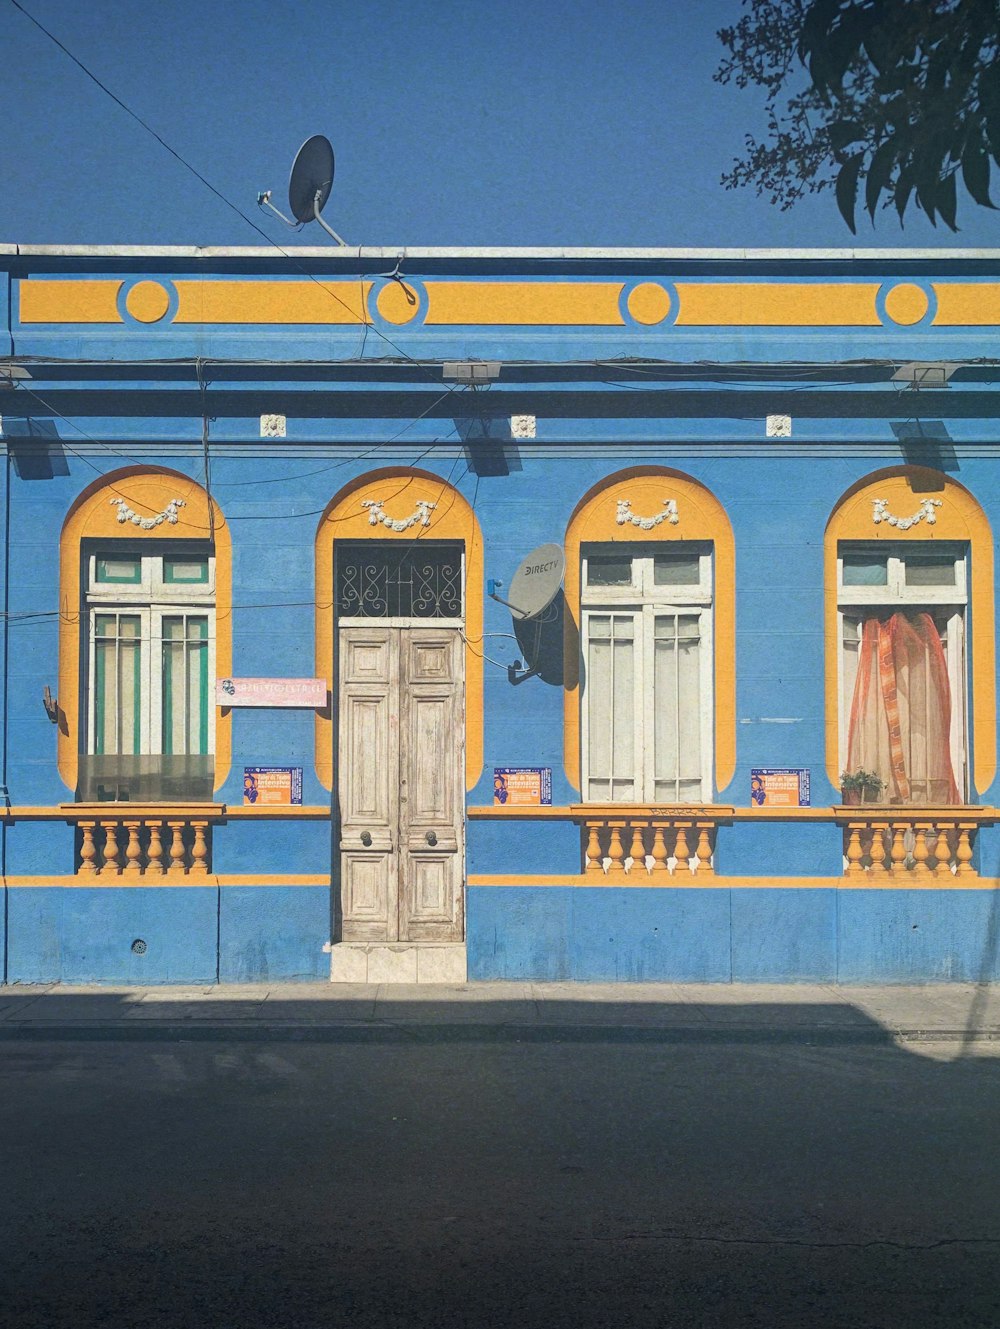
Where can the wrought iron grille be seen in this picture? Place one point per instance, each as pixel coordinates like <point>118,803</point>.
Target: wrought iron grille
<point>383,579</point>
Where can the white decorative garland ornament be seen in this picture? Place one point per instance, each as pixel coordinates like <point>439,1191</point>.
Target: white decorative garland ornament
<point>169,514</point>
<point>881,513</point>
<point>376,514</point>
<point>625,515</point>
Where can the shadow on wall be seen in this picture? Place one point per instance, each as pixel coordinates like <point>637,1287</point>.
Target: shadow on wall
<point>35,448</point>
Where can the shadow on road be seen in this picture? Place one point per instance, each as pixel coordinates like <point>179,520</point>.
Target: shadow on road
<point>618,1164</point>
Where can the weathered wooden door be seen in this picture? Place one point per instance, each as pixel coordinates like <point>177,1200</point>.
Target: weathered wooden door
<point>400,781</point>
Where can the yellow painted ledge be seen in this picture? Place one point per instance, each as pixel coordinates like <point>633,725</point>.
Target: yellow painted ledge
<point>693,882</point>
<point>164,882</point>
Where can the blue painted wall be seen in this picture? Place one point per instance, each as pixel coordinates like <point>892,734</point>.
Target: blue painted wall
<point>595,417</point>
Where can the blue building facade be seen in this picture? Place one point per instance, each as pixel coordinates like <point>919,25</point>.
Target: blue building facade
<point>267,715</point>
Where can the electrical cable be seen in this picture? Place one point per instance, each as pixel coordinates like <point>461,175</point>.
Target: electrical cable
<point>208,184</point>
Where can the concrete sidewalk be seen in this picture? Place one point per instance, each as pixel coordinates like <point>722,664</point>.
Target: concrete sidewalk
<point>941,1012</point>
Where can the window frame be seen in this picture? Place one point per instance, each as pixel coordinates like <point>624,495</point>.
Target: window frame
<point>152,599</point>
<point>853,601</point>
<point>645,601</point>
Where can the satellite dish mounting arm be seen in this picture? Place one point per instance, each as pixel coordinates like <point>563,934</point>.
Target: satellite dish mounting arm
<point>329,229</point>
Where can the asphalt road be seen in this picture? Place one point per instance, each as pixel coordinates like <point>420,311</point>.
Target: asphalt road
<point>415,1177</point>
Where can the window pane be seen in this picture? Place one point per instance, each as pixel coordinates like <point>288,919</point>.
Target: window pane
<point>678,567</point>
<point>929,570</point>
<point>677,707</point>
<point>186,570</point>
<point>610,700</point>
<point>865,570</point>
<point>185,684</point>
<point>609,570</point>
<point>117,698</point>
<point>124,569</point>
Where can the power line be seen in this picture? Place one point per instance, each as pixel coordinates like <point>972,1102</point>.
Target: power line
<point>209,186</point>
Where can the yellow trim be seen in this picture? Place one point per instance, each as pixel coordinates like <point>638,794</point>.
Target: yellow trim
<point>958,518</point>
<point>89,301</point>
<point>906,304</point>
<point>397,303</point>
<point>272,301</point>
<point>147,490</point>
<point>967,304</point>
<point>777,304</point>
<point>692,882</point>
<point>147,301</point>
<point>400,489</point>
<point>702,517</point>
<point>648,303</point>
<point>279,812</point>
<point>499,303</point>
<point>507,303</point>
<point>110,883</point>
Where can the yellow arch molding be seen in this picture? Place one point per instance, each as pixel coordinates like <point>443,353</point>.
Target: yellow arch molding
<point>959,517</point>
<point>701,517</point>
<point>451,518</point>
<point>147,490</point>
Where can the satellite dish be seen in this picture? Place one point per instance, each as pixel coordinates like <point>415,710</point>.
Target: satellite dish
<point>309,186</point>
<point>311,179</point>
<point>536,582</point>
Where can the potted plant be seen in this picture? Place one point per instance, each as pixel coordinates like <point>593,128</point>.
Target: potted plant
<point>860,786</point>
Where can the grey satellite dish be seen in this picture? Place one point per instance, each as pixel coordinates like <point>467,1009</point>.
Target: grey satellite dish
<point>536,582</point>
<point>309,185</point>
<point>311,179</point>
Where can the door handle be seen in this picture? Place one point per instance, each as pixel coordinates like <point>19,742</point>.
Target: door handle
<point>431,838</point>
<point>366,838</point>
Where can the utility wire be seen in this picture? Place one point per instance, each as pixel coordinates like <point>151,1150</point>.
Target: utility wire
<point>208,184</point>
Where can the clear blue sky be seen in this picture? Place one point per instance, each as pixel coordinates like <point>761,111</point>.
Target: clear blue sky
<point>513,122</point>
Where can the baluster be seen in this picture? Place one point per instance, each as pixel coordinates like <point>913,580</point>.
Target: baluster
<point>132,850</point>
<point>704,866</point>
<point>176,848</point>
<point>945,849</point>
<point>615,850</point>
<point>681,851</point>
<point>855,853</point>
<point>897,853</point>
<point>659,849</point>
<point>937,852</point>
<point>964,850</point>
<point>878,848</point>
<point>111,864</point>
<point>154,858</point>
<point>88,851</point>
<point>637,850</point>
<point>595,859</point>
<point>199,853</point>
<point>921,852</point>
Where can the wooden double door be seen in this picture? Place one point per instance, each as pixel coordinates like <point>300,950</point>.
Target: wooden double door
<point>400,782</point>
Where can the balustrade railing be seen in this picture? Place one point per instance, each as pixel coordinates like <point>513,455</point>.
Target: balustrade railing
<point>139,846</point>
<point>624,841</point>
<point>909,844</point>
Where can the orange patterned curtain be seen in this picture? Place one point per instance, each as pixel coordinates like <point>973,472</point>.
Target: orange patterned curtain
<point>901,711</point>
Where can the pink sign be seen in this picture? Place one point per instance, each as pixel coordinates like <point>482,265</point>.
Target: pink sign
<point>309,692</point>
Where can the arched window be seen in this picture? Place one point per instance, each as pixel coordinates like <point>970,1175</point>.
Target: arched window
<point>145,572</point>
<point>910,639</point>
<point>650,710</point>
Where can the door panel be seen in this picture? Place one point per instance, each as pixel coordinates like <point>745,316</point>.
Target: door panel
<point>432,760</point>
<point>400,778</point>
<point>367,784</point>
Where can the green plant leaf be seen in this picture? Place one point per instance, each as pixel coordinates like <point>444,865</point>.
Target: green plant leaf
<point>944,198</point>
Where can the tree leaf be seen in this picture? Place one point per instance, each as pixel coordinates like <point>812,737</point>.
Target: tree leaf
<point>976,170</point>
<point>904,188</point>
<point>847,189</point>
<point>844,132</point>
<point>883,160</point>
<point>944,197</point>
